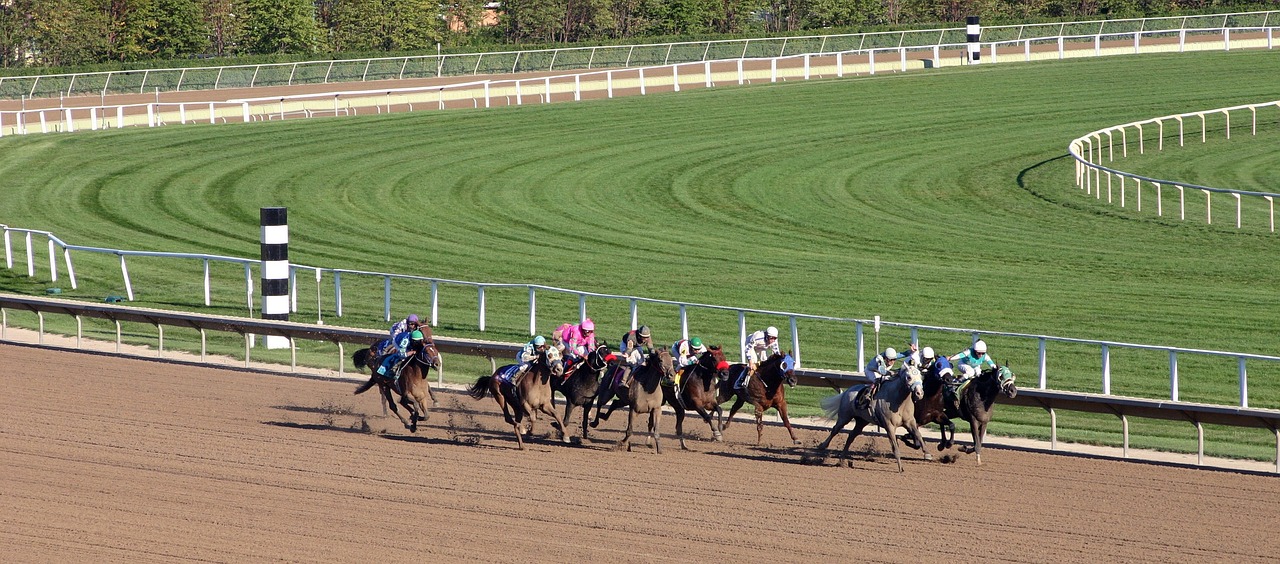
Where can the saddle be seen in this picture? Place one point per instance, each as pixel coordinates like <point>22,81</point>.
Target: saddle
<point>506,374</point>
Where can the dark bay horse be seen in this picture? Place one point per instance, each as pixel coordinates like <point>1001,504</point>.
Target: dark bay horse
<point>977,401</point>
<point>581,383</point>
<point>893,406</point>
<point>645,396</point>
<point>699,390</point>
<point>765,390</point>
<point>413,386</point>
<point>534,393</point>
<point>932,408</point>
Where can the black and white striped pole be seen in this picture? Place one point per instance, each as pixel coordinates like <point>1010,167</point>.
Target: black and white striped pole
<point>275,270</point>
<point>972,31</point>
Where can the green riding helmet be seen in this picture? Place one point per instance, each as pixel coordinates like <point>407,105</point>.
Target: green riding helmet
<point>415,335</point>
<point>695,343</point>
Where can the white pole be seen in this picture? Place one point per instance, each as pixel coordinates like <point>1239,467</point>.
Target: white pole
<point>533,312</point>
<point>386,298</point>
<point>684,322</point>
<point>207,301</point>
<point>1173,375</point>
<point>128,286</point>
<point>635,314</point>
<point>1244,384</point>
<point>337,294</point>
<point>71,272</point>
<point>795,341</point>
<point>53,262</point>
<point>1106,371</point>
<point>8,249</point>
<point>31,258</point>
<point>481,307</point>
<point>435,303</point>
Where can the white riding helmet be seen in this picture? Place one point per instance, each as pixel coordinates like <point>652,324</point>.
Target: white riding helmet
<point>980,347</point>
<point>890,353</point>
<point>771,332</point>
<point>928,353</point>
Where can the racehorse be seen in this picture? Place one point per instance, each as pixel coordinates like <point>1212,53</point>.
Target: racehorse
<point>698,389</point>
<point>582,383</point>
<point>645,395</point>
<point>977,401</point>
<point>412,387</point>
<point>534,393</point>
<point>890,408</point>
<point>932,409</point>
<point>764,391</point>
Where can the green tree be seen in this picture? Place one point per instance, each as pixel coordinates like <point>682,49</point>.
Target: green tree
<point>174,28</point>
<point>280,26</point>
<point>225,19</point>
<point>386,25</point>
<point>67,32</point>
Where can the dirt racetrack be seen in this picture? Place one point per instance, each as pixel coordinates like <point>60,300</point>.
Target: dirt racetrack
<point>110,459</point>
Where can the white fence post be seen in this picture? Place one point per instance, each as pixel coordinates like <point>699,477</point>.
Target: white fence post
<point>53,262</point>
<point>71,271</point>
<point>31,258</point>
<point>684,322</point>
<point>1244,384</point>
<point>642,93</point>
<point>795,341</point>
<point>1173,375</point>
<point>742,335</point>
<point>1106,370</point>
<point>386,298</point>
<point>337,293</point>
<point>634,314</point>
<point>533,312</point>
<point>582,307</point>
<point>435,303</point>
<point>859,339</point>
<point>128,285</point>
<point>8,249</point>
<point>1044,374</point>
<point>481,298</point>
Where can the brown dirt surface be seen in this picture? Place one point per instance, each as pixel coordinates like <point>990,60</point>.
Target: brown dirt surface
<point>112,459</point>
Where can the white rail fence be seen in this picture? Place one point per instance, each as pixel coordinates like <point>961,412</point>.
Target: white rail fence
<point>611,82</point>
<point>858,329</point>
<point>588,58</point>
<point>1094,148</point>
<point>1052,401</point>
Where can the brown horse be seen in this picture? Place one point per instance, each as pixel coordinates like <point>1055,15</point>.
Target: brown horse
<point>644,395</point>
<point>533,394</point>
<point>893,406</point>
<point>764,390</point>
<point>412,387</point>
<point>698,390</point>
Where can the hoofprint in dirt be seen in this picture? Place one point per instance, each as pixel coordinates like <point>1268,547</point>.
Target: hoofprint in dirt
<point>152,461</point>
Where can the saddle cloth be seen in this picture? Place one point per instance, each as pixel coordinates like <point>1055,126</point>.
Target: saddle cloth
<point>507,372</point>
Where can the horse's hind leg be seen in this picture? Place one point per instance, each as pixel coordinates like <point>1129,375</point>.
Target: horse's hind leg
<point>680,428</point>
<point>412,426</point>
<point>737,404</point>
<point>841,421</point>
<point>601,399</point>
<point>857,430</point>
<point>715,430</point>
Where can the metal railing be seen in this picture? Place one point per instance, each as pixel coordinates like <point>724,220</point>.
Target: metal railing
<point>859,327</point>
<point>1088,152</point>
<point>1050,400</point>
<point>586,58</point>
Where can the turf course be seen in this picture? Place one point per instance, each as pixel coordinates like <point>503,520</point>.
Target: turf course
<point>940,198</point>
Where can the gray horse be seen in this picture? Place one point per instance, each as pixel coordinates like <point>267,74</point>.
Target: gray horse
<point>889,409</point>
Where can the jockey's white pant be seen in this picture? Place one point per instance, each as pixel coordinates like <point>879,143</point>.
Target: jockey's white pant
<point>967,371</point>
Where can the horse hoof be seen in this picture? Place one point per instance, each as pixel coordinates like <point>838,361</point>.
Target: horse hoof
<point>796,442</point>
<point>928,457</point>
<point>719,438</point>
<point>595,424</point>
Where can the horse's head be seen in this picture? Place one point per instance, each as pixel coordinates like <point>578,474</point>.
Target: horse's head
<point>915,381</point>
<point>598,358</point>
<point>429,355</point>
<point>1006,377</point>
<point>662,357</point>
<point>550,358</point>
<point>713,362</point>
<point>787,367</point>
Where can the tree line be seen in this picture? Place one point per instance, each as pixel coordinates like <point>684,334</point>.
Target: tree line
<point>40,33</point>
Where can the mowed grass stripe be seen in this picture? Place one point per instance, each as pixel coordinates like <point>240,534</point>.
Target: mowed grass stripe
<point>942,198</point>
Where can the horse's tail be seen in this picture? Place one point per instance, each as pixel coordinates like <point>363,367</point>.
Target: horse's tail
<point>481,387</point>
<point>360,357</point>
<point>362,388</point>
<point>831,405</point>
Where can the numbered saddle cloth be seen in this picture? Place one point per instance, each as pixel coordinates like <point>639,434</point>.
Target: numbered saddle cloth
<point>507,373</point>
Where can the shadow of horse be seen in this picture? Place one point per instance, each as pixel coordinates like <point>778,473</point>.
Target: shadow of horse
<point>526,397</point>
<point>413,386</point>
<point>581,384</point>
<point>893,406</point>
<point>764,391</point>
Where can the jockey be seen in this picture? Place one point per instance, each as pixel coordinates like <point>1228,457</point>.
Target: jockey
<point>527,356</point>
<point>970,361</point>
<point>686,352</point>
<point>406,343</point>
<point>407,324</point>
<point>877,370</point>
<point>931,362</point>
<point>635,348</point>
<point>579,340</point>
<point>911,356</point>
<point>755,349</point>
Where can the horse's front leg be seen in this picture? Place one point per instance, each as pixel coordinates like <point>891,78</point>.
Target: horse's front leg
<point>602,399</point>
<point>759,424</point>
<point>655,417</point>
<point>786,422</point>
<point>680,428</point>
<point>706,416</point>
<point>893,444</point>
<point>914,429</point>
<point>550,410</point>
<point>979,430</point>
